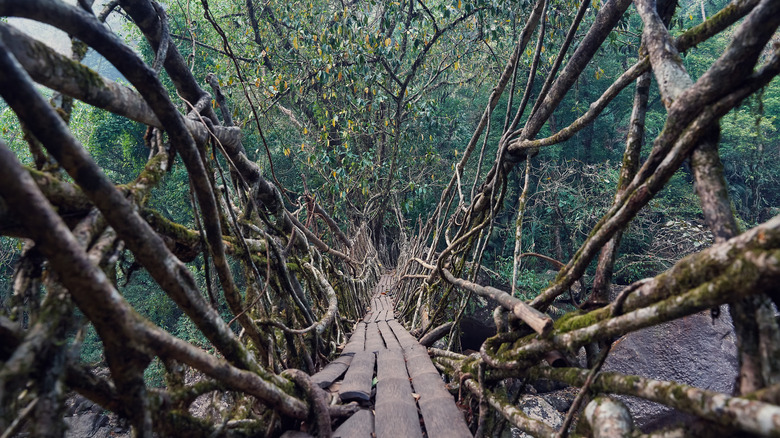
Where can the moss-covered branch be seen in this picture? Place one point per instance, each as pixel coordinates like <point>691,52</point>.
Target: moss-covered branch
<point>737,412</point>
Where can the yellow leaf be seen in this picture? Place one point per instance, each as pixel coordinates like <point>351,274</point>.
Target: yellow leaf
<point>333,173</point>
<point>295,43</point>
<point>305,131</point>
<point>339,78</point>
<point>286,152</point>
<point>458,4</point>
<point>302,146</point>
<point>387,42</point>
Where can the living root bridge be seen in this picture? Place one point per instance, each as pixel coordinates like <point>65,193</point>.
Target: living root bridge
<point>285,265</point>
<point>746,265</point>
<point>741,270</point>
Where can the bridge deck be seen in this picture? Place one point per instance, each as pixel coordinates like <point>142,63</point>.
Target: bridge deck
<point>391,375</point>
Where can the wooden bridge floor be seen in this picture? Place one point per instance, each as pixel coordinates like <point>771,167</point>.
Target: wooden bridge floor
<point>391,375</point>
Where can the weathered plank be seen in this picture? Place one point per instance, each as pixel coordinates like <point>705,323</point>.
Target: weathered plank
<point>360,375</point>
<point>418,361</point>
<point>326,376</point>
<point>396,410</point>
<point>374,341</point>
<point>357,342</point>
<point>442,418</point>
<point>387,334</point>
<point>404,338</point>
<point>359,425</point>
<point>440,415</point>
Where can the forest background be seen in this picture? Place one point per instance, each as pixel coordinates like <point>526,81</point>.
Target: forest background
<point>328,109</point>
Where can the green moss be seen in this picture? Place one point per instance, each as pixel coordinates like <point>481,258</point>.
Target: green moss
<point>177,232</point>
<point>577,320</point>
<point>566,317</point>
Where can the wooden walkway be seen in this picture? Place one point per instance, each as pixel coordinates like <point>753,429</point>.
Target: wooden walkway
<point>392,376</point>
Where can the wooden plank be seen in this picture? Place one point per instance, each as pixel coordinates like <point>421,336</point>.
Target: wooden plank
<point>404,338</point>
<point>430,383</point>
<point>387,334</point>
<point>391,365</point>
<point>441,416</point>
<point>374,341</point>
<point>326,376</point>
<point>359,425</point>
<point>357,342</point>
<point>360,375</point>
<point>396,410</point>
<point>418,361</point>
<point>382,302</point>
<point>395,419</point>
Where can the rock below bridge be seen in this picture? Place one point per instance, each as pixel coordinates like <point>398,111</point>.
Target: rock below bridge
<point>696,350</point>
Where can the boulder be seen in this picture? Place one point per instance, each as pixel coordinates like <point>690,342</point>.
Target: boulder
<point>538,408</point>
<point>85,419</point>
<point>89,424</point>
<point>561,400</point>
<point>696,350</point>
